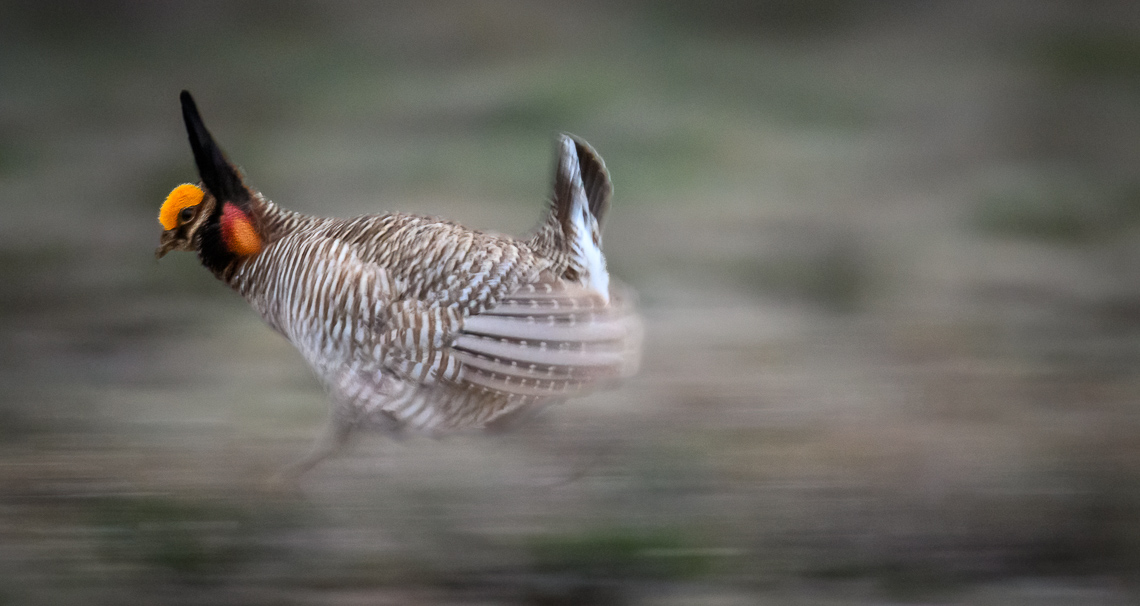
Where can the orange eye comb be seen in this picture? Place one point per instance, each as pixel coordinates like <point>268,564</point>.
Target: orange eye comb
<point>184,195</point>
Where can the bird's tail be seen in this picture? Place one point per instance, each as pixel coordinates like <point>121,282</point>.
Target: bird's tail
<point>573,230</point>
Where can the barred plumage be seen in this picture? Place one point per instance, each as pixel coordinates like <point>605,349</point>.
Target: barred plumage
<point>415,322</point>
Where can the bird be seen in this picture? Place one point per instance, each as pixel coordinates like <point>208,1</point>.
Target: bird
<point>415,323</point>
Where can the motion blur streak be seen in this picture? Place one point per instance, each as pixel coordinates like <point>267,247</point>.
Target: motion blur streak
<point>888,256</point>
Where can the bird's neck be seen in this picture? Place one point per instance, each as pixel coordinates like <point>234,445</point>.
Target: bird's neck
<point>275,222</point>
<point>269,221</point>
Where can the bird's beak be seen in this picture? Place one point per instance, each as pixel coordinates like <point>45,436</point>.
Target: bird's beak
<point>167,243</point>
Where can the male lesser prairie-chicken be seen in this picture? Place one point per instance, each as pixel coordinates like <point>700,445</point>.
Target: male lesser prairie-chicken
<point>414,322</point>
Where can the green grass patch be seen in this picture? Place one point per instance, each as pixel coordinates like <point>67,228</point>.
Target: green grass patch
<point>835,277</point>
<point>619,553</point>
<point>1074,55</point>
<point>1057,213</point>
<point>193,541</point>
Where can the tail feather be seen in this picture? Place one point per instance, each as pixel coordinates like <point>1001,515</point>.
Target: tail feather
<point>572,233</point>
<point>580,166</point>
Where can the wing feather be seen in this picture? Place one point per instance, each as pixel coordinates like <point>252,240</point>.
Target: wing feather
<point>567,342</point>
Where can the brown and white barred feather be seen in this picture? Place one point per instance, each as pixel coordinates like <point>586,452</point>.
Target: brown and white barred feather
<point>421,323</point>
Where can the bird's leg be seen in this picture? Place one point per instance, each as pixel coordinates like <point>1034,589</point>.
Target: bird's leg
<point>581,469</point>
<point>540,429</point>
<point>331,440</point>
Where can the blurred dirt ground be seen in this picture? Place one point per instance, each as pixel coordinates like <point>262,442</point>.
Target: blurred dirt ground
<point>888,256</point>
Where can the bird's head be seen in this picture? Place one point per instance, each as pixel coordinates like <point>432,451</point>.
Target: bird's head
<point>216,217</point>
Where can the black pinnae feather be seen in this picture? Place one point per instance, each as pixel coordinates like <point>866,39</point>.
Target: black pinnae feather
<point>222,181</point>
<point>218,175</point>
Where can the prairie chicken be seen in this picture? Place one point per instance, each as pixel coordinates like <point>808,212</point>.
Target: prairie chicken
<point>413,322</point>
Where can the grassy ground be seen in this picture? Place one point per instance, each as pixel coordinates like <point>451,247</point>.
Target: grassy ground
<point>888,258</point>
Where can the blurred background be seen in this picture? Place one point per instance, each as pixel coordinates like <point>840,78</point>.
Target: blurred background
<point>888,256</point>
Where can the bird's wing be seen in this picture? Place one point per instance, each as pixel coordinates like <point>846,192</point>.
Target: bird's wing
<point>547,340</point>
<point>491,341</point>
<point>550,338</point>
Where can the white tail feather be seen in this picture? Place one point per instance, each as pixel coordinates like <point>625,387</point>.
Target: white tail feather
<point>583,232</point>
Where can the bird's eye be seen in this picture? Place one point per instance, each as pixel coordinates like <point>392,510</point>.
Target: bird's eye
<point>186,214</point>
